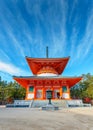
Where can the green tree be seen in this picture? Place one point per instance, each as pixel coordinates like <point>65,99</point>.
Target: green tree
<point>85,87</point>
<point>11,91</point>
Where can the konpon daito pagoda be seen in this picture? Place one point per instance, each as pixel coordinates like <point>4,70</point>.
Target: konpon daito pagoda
<point>47,75</point>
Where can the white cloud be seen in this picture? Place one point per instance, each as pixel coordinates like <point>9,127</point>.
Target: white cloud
<point>3,55</point>
<point>73,41</point>
<point>13,30</point>
<point>87,41</point>
<point>11,69</point>
<point>73,7</point>
<point>59,38</point>
<point>53,23</point>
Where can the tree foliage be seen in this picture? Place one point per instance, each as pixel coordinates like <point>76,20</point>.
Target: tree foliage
<point>84,89</point>
<point>11,91</point>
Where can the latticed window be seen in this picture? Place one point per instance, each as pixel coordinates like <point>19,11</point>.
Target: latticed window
<point>31,88</point>
<point>64,89</point>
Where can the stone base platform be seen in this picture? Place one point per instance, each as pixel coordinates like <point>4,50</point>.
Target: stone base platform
<point>50,107</point>
<point>44,103</point>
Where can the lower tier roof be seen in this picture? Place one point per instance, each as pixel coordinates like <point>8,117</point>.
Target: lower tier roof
<point>39,80</point>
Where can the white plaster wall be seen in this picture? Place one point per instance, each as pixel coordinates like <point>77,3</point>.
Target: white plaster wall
<point>30,96</point>
<point>65,95</point>
<point>47,74</point>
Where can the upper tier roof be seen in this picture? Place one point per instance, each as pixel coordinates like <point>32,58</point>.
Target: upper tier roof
<point>36,64</point>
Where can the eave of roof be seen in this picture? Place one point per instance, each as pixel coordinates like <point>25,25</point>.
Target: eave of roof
<point>24,80</point>
<point>36,64</point>
<point>58,58</point>
<point>45,77</point>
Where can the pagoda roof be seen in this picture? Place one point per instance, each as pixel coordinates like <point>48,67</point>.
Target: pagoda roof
<point>36,64</point>
<point>24,80</point>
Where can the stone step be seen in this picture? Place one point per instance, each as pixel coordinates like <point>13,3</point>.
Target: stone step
<point>36,103</point>
<point>41,103</point>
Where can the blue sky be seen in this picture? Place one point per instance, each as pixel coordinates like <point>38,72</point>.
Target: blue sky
<point>28,26</point>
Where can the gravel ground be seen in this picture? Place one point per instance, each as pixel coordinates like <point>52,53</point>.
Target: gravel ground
<point>36,119</point>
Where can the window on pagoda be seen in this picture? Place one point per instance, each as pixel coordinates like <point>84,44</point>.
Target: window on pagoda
<point>31,89</point>
<point>64,89</point>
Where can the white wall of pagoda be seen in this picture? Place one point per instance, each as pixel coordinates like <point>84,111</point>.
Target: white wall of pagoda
<point>47,74</point>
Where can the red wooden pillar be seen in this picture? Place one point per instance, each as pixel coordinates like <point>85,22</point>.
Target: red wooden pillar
<point>27,93</point>
<point>34,92</point>
<point>68,90</point>
<point>60,92</point>
<point>42,92</point>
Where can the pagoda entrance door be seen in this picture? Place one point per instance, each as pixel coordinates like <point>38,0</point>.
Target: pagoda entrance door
<point>39,93</point>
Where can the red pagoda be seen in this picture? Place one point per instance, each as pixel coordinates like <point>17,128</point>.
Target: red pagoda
<point>47,75</point>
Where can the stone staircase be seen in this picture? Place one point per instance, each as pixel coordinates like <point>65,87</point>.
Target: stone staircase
<point>36,103</point>
<point>41,103</point>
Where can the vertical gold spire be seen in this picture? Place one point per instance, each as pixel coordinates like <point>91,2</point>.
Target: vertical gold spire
<point>47,52</point>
